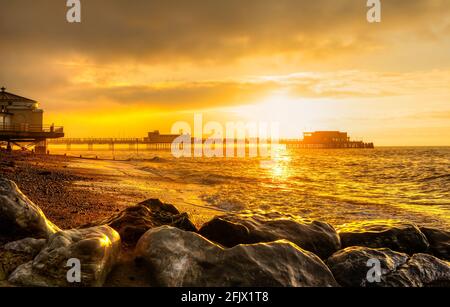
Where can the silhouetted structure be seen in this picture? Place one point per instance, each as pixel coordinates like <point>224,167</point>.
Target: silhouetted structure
<point>156,137</point>
<point>155,140</point>
<point>21,123</point>
<point>331,139</point>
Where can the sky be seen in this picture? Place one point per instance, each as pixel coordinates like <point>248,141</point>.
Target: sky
<point>135,66</point>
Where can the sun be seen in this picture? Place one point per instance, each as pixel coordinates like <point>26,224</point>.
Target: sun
<point>292,114</point>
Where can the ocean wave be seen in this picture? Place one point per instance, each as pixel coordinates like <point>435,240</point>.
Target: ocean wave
<point>431,178</point>
<point>154,160</point>
<point>227,204</point>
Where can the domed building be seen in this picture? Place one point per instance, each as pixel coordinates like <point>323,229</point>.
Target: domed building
<point>19,113</point>
<point>21,122</point>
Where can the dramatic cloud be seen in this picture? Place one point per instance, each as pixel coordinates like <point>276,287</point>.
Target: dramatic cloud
<point>148,57</point>
<point>186,96</point>
<point>200,30</point>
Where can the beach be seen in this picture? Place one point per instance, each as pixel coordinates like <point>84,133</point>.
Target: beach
<point>73,192</point>
<point>138,226</point>
<point>335,186</point>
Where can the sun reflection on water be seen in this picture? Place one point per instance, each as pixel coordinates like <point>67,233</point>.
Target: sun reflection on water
<point>279,165</point>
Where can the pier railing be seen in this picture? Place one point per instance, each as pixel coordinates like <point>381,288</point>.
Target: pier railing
<point>135,142</point>
<point>97,141</point>
<point>31,128</point>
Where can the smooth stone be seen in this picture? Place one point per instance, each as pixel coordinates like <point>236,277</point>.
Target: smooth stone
<point>16,253</point>
<point>439,242</point>
<point>349,265</point>
<point>11,260</point>
<point>422,270</point>
<point>233,229</point>
<point>28,245</point>
<point>179,258</point>
<point>134,221</point>
<point>350,268</point>
<point>20,217</point>
<point>395,235</point>
<point>97,249</point>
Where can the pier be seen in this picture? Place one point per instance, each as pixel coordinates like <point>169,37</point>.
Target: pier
<point>132,143</point>
<point>25,137</point>
<point>140,143</point>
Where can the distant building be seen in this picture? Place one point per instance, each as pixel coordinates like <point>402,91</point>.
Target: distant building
<point>156,137</point>
<point>323,137</point>
<point>21,123</point>
<point>19,113</point>
<point>331,139</point>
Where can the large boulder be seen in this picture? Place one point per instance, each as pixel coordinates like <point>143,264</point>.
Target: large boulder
<point>97,250</point>
<point>398,236</point>
<point>421,270</point>
<point>30,246</point>
<point>134,221</point>
<point>14,254</point>
<point>179,258</point>
<point>350,266</point>
<point>10,260</point>
<point>249,228</point>
<point>439,242</point>
<point>356,267</point>
<point>19,216</point>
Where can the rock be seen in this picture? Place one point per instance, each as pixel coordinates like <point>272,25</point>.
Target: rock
<point>350,265</point>
<point>29,245</point>
<point>422,270</point>
<point>14,254</point>
<point>96,248</point>
<point>134,221</point>
<point>351,268</point>
<point>10,260</point>
<point>19,216</point>
<point>231,230</point>
<point>179,258</point>
<point>395,235</point>
<point>439,242</point>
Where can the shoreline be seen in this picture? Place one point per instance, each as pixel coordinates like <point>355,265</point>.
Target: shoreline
<point>73,192</point>
<point>85,212</point>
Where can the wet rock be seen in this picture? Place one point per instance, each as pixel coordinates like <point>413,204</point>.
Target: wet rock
<point>14,254</point>
<point>439,242</point>
<point>395,235</point>
<point>96,248</point>
<point>134,221</point>
<point>19,216</point>
<point>29,245</point>
<point>186,259</point>
<point>230,230</point>
<point>352,266</point>
<point>10,260</point>
<point>422,270</point>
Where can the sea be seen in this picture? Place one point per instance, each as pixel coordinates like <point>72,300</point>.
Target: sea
<point>338,186</point>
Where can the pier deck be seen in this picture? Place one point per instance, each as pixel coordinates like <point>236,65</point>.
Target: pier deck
<point>26,136</point>
<point>29,133</point>
<point>150,144</point>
